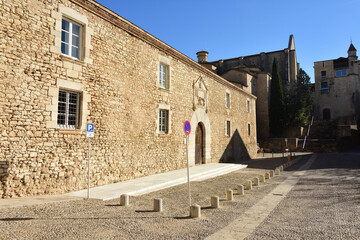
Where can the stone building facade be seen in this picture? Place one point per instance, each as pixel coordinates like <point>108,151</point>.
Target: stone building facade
<point>288,66</point>
<point>65,63</point>
<point>337,87</point>
<point>253,74</point>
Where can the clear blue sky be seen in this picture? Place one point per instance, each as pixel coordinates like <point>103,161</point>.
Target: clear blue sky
<point>231,28</point>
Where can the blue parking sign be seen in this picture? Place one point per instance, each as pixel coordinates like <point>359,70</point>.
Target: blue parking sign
<point>89,130</point>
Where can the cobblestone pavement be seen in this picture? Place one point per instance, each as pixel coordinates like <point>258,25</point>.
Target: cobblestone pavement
<point>95,219</point>
<point>324,204</point>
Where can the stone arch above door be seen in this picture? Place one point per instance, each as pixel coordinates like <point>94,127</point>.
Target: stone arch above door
<point>200,116</point>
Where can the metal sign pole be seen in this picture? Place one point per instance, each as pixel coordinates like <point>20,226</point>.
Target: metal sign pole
<point>88,191</point>
<point>188,175</point>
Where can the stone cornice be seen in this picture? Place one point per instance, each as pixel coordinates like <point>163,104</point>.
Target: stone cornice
<point>108,15</point>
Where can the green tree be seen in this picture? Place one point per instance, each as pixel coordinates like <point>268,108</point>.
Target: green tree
<point>300,102</point>
<point>277,111</point>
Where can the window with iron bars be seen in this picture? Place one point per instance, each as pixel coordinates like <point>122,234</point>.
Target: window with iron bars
<point>68,109</point>
<point>163,121</point>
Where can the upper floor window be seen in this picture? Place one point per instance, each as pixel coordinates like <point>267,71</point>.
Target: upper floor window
<point>324,87</point>
<point>323,74</point>
<point>68,109</point>
<point>163,121</point>
<point>249,129</point>
<point>228,128</point>
<point>164,76</point>
<point>70,38</point>
<point>341,73</point>
<point>227,100</point>
<point>247,105</point>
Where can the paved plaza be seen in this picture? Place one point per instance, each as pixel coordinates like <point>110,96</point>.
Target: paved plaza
<point>316,198</point>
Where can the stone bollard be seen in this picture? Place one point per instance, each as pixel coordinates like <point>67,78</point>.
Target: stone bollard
<point>267,175</point>
<point>214,201</point>
<point>229,195</point>
<point>262,178</point>
<point>240,189</point>
<point>256,181</point>
<point>195,211</point>
<point>158,205</point>
<point>271,173</point>
<point>277,171</point>
<point>124,200</point>
<point>281,168</point>
<point>248,185</point>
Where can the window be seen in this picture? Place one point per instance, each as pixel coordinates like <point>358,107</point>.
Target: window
<point>323,74</point>
<point>228,128</point>
<point>341,73</point>
<point>163,121</point>
<point>324,87</point>
<point>227,100</point>
<point>247,105</point>
<point>326,114</point>
<point>68,109</point>
<point>70,39</point>
<point>249,128</point>
<point>163,76</point>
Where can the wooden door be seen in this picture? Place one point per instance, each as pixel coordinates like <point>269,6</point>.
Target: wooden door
<point>199,144</point>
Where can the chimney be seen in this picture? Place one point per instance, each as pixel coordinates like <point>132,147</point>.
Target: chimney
<point>202,56</point>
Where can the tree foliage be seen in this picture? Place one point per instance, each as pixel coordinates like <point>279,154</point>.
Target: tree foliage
<point>277,111</point>
<point>299,101</point>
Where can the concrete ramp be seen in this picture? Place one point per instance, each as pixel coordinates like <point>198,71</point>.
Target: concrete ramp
<point>157,182</point>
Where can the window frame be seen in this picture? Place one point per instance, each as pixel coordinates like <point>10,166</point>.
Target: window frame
<point>71,34</point>
<point>323,74</point>
<point>163,126</point>
<point>343,73</point>
<point>248,108</point>
<point>162,74</point>
<point>249,129</point>
<point>227,100</point>
<point>228,128</point>
<point>66,115</point>
<point>323,88</point>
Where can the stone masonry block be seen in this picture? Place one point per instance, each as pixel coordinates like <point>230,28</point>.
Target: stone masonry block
<point>256,181</point>
<point>214,201</point>
<point>158,205</point>
<point>124,200</point>
<point>262,178</point>
<point>229,195</point>
<point>240,189</point>
<point>195,211</point>
<point>248,185</point>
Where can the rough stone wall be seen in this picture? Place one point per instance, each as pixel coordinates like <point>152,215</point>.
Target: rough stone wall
<point>265,61</point>
<point>341,92</point>
<point>120,93</point>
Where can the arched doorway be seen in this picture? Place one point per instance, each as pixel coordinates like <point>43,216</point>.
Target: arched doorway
<point>199,144</point>
<point>326,114</point>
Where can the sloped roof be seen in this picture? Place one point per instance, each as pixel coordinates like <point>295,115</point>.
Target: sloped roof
<point>351,48</point>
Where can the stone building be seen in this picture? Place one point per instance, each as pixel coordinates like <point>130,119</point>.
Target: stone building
<point>286,59</point>
<point>337,87</point>
<point>253,74</point>
<point>65,63</point>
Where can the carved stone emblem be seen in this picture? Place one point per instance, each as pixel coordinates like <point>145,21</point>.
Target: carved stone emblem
<point>200,94</point>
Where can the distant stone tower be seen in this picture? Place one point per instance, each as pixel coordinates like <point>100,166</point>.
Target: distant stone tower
<point>337,87</point>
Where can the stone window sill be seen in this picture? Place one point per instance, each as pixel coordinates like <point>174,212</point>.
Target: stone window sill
<point>70,131</point>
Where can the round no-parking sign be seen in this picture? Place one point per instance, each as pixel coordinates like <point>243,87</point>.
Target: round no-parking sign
<point>187,127</point>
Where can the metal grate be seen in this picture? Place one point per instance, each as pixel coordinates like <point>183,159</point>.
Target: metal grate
<point>163,121</point>
<point>68,109</point>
